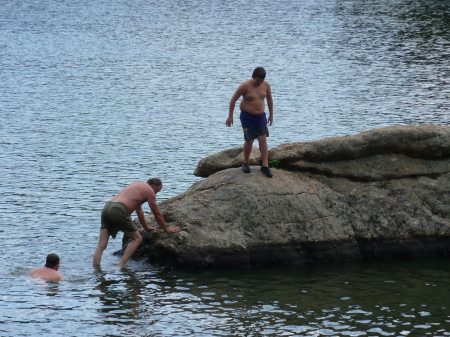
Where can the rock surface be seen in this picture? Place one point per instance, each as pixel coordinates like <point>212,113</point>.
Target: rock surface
<point>381,193</point>
<point>225,159</point>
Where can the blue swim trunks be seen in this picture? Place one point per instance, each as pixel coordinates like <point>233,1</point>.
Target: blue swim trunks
<point>254,125</point>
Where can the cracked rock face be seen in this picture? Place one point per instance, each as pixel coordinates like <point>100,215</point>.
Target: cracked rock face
<point>381,193</point>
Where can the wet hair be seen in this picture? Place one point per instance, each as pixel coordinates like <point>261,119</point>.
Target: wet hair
<point>52,260</point>
<point>154,181</point>
<point>259,72</point>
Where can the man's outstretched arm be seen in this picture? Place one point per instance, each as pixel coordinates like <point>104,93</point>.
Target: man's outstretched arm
<point>159,218</point>
<point>141,217</point>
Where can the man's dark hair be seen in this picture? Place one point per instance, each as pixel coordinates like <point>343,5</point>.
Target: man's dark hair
<point>52,260</point>
<point>259,72</point>
<point>154,181</point>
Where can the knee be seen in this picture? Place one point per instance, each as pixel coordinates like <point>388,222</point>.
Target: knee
<point>249,142</point>
<point>137,238</point>
<point>102,245</point>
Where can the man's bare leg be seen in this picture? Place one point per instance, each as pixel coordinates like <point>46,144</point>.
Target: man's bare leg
<point>136,240</point>
<point>101,246</point>
<point>264,149</point>
<point>248,145</point>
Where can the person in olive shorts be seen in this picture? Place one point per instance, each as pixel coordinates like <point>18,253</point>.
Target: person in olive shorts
<point>253,118</point>
<point>116,216</point>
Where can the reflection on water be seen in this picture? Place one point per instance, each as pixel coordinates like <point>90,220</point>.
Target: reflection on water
<point>349,299</point>
<point>97,94</point>
<point>380,298</point>
<point>119,296</point>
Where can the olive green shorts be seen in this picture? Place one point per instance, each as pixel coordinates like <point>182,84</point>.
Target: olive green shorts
<point>115,217</point>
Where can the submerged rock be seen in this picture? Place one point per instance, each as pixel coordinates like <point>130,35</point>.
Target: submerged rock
<point>381,193</point>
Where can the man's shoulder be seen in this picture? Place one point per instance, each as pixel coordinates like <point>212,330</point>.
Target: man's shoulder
<point>46,274</point>
<point>55,274</point>
<point>34,271</point>
<point>144,188</point>
<point>245,84</point>
<point>138,185</point>
<point>58,275</point>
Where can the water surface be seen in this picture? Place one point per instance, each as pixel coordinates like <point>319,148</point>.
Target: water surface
<point>97,94</point>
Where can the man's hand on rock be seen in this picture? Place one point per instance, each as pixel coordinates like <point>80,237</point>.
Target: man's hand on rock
<point>170,230</point>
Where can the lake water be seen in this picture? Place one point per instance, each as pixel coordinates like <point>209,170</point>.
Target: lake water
<point>97,94</point>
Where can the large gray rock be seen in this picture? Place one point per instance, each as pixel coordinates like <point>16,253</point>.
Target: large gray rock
<point>386,153</point>
<point>381,193</point>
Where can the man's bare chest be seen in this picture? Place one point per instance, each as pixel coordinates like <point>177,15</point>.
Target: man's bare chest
<point>255,94</point>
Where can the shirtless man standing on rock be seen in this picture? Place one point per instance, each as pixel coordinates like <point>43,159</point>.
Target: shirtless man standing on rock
<point>116,216</point>
<point>253,118</point>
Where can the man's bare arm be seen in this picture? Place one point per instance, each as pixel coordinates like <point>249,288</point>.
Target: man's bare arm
<point>158,216</point>
<point>239,92</point>
<point>141,217</point>
<point>270,104</point>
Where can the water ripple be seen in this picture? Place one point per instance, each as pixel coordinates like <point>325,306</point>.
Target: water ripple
<point>98,94</point>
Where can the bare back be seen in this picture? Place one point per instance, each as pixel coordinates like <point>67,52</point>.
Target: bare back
<point>134,195</point>
<point>46,274</point>
<point>254,92</point>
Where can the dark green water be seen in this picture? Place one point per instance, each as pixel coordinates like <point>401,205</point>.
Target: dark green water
<point>370,298</point>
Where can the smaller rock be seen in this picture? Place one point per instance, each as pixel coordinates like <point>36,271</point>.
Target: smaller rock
<point>224,160</point>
